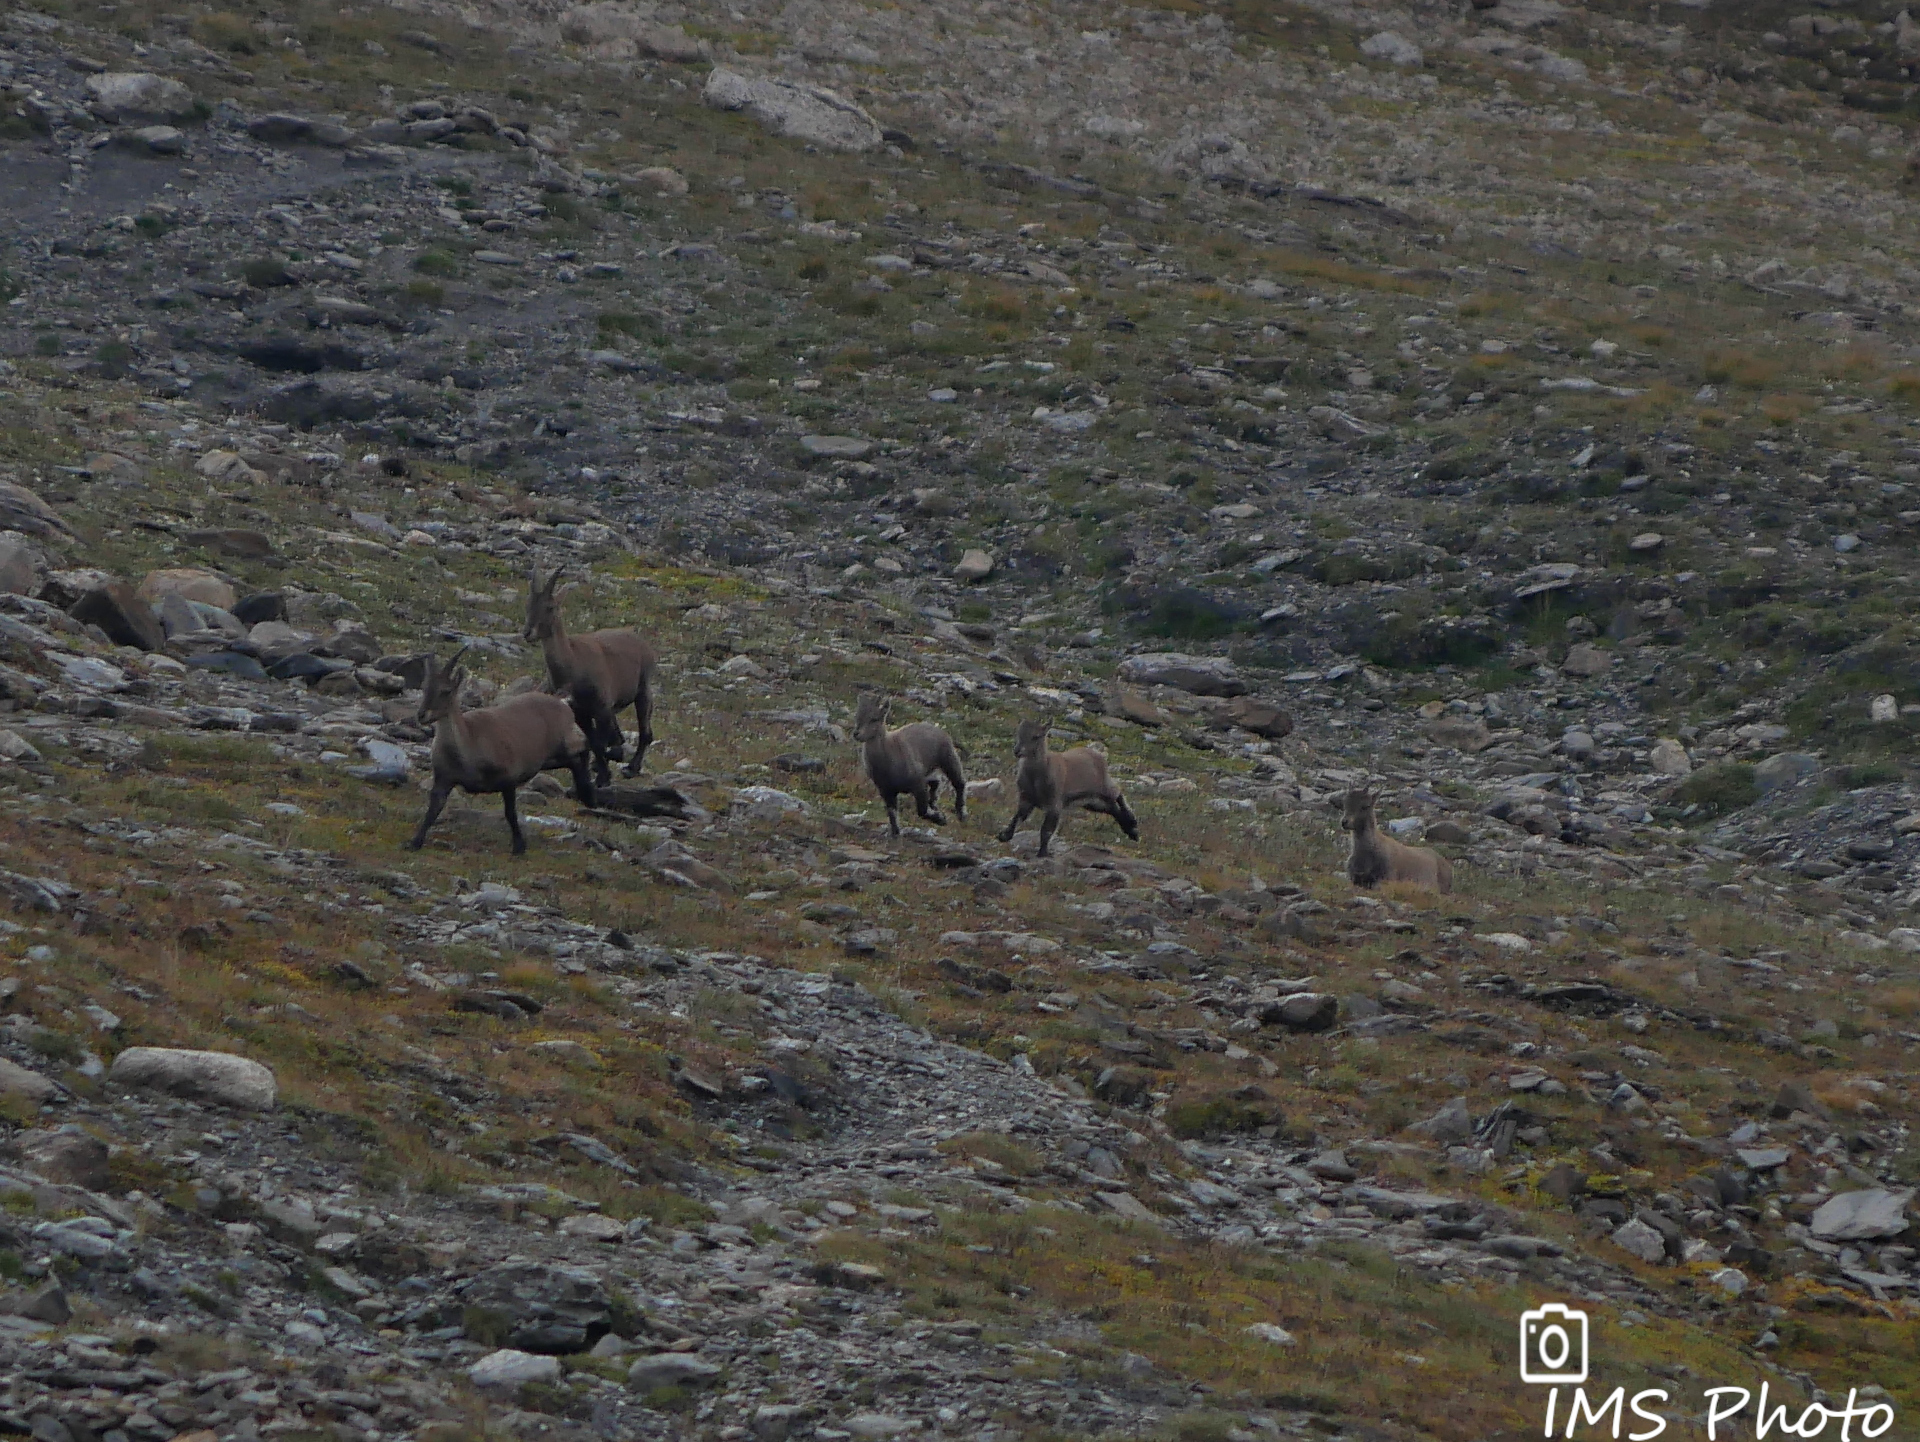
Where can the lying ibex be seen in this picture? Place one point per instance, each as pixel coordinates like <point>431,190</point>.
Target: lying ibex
<point>909,761</point>
<point>1376,858</point>
<point>599,674</point>
<point>1050,784</point>
<point>500,748</point>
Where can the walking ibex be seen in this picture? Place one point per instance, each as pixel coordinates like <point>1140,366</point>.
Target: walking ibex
<point>599,674</point>
<point>908,761</point>
<point>499,748</point>
<point>1050,784</point>
<point>1376,858</point>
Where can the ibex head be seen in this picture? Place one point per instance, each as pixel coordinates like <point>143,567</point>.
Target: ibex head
<point>1030,739</point>
<point>543,605</point>
<point>440,691</point>
<point>870,716</point>
<point>1358,809</point>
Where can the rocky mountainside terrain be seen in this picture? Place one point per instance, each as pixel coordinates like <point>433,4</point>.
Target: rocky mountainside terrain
<point>1507,407</point>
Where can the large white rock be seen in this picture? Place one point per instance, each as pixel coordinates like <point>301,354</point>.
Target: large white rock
<point>136,96</point>
<point>1641,1240</point>
<point>508,1368</point>
<point>809,113</point>
<point>1861,1216</point>
<point>214,1076</point>
<point>1200,675</point>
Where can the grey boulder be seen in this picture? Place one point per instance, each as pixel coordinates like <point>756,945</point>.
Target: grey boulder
<point>136,96</point>
<point>534,1307</point>
<point>1861,1216</point>
<point>671,1369</point>
<point>1198,675</point>
<point>213,1076</point>
<point>809,113</point>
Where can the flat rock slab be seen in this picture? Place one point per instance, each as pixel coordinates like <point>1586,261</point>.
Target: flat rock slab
<point>1198,675</point>
<point>671,1369</point>
<point>510,1368</point>
<point>809,113</point>
<point>837,448</point>
<point>213,1076</point>
<point>1861,1216</point>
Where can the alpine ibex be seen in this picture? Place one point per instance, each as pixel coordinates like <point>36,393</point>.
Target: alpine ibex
<point>908,761</point>
<point>1376,858</point>
<point>499,748</point>
<point>599,674</point>
<point>1050,784</point>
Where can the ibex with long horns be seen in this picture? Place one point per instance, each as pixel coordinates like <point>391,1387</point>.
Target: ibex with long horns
<point>599,674</point>
<point>497,748</point>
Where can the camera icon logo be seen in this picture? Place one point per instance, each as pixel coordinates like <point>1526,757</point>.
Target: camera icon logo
<point>1553,1345</point>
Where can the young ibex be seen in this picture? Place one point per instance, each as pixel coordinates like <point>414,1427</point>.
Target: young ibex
<point>499,748</point>
<point>599,674</point>
<point>909,761</point>
<point>1376,858</point>
<point>1050,784</point>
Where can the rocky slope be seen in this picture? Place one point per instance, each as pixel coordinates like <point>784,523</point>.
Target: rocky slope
<point>1286,398</point>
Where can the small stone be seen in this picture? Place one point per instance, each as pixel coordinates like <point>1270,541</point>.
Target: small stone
<point>975,565</point>
<point>671,1369</point>
<point>1846,543</point>
<point>1669,758</point>
<point>18,1081</point>
<point>1584,660</point>
<point>22,567</point>
<point>877,1426</point>
<point>572,1053</point>
<point>1462,733</point>
<point>837,448</point>
<point>1126,1206</point>
<point>155,139</point>
<point>661,180</point>
<point>68,1157</point>
<point>1884,708</point>
<point>593,1227</point>
<point>1646,543</point>
<point>1452,1123</point>
<point>1640,1240</point>
<point>507,1368</point>
<point>1308,1011</point>
<point>118,611</point>
<point>1783,770</point>
<point>1730,1280</point>
<point>190,585</point>
<point>1262,718</point>
<point>1332,1166</point>
<point>1269,1332</point>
